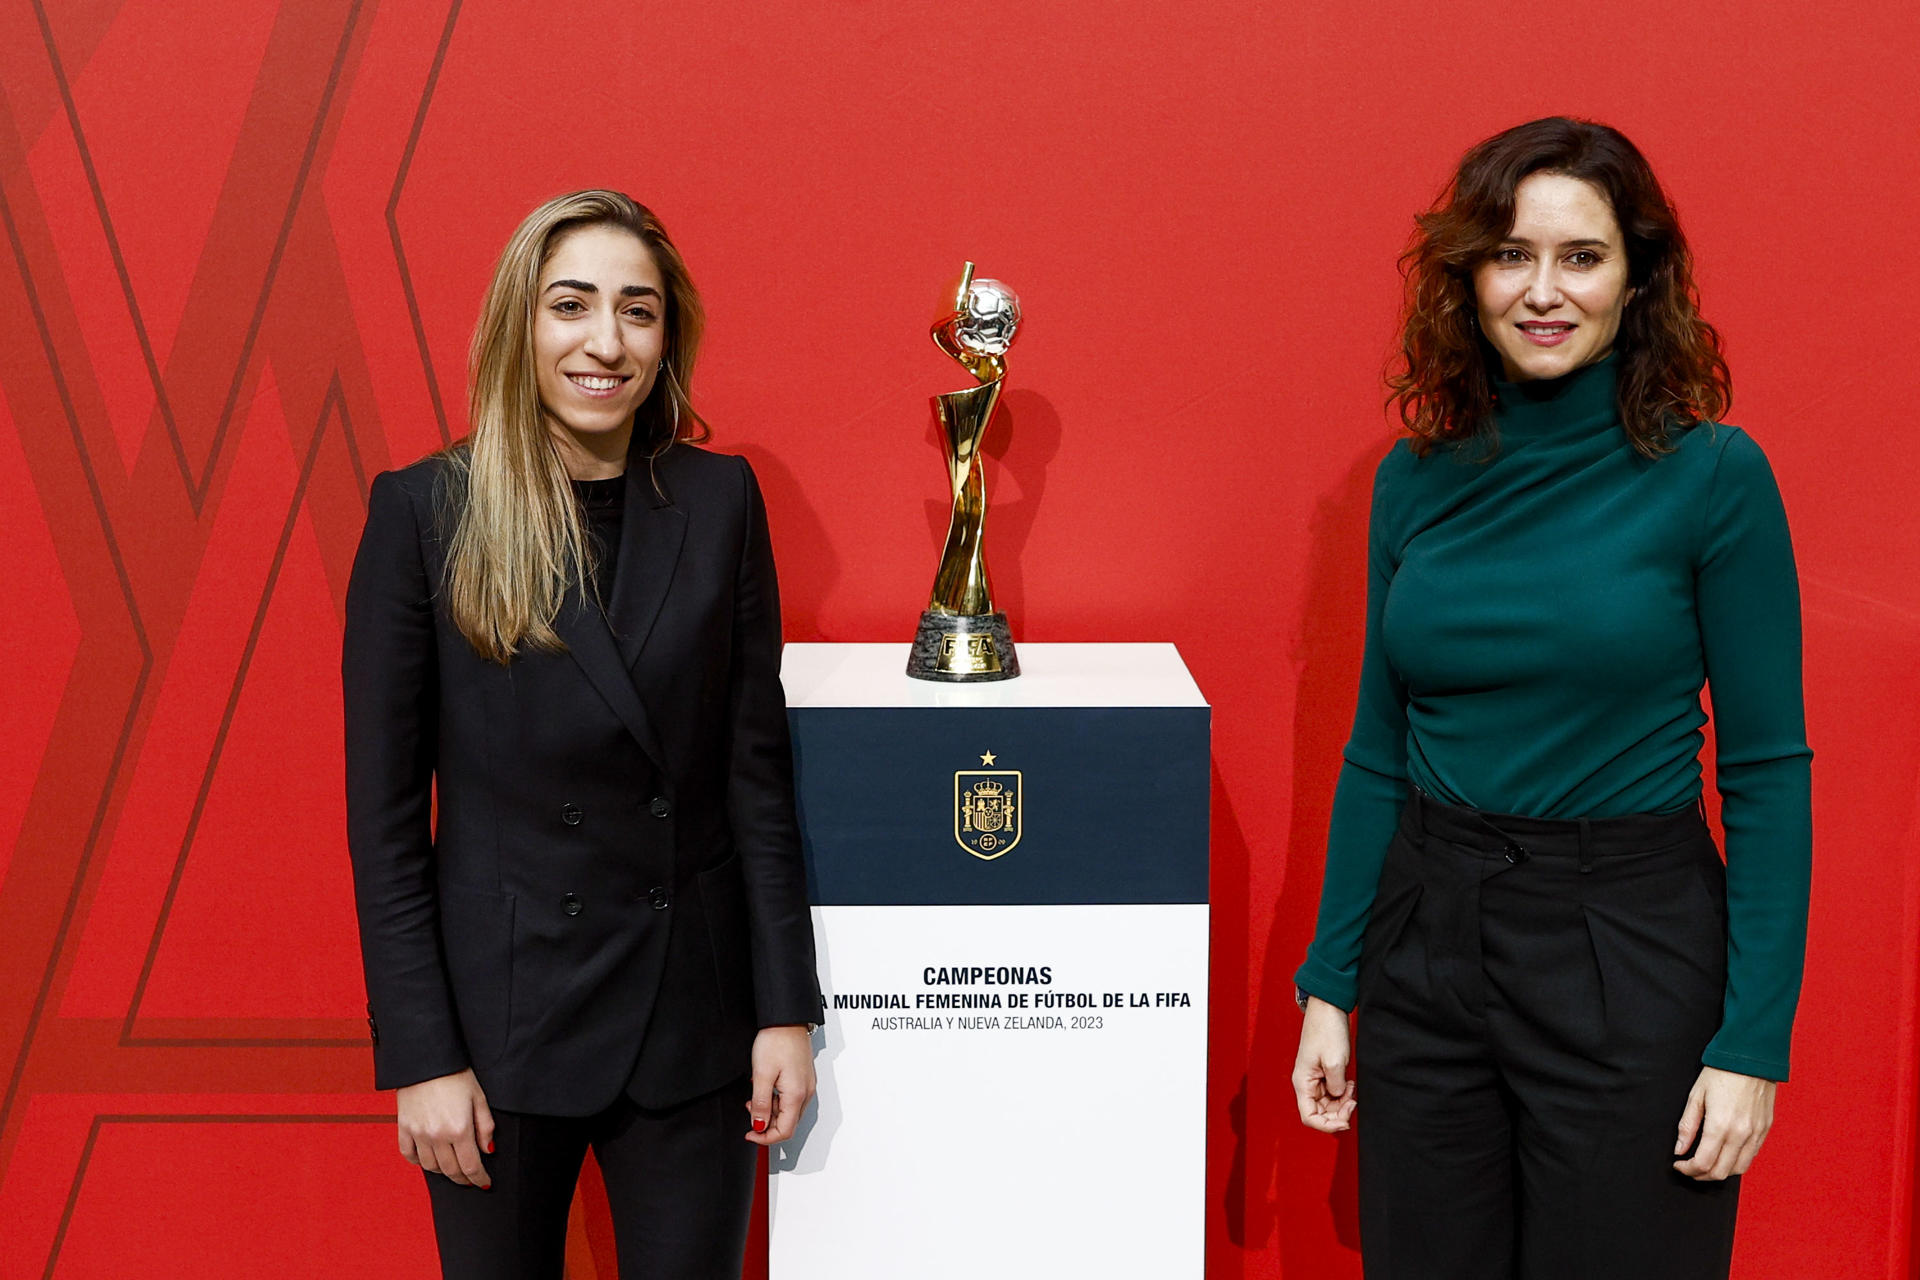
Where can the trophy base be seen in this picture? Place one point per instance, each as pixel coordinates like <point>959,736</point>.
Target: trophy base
<point>963,648</point>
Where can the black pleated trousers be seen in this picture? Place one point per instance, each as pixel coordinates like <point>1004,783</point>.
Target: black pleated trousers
<point>679,1185</point>
<point>1534,997</point>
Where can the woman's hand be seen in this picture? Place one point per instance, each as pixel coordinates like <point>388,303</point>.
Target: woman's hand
<point>1321,1081</point>
<point>782,1082</point>
<point>1736,1112</point>
<point>444,1122</point>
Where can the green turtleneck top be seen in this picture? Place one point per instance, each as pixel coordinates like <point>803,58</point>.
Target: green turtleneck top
<point>1539,627</point>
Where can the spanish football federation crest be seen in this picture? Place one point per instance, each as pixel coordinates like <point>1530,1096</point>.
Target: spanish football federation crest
<point>986,809</point>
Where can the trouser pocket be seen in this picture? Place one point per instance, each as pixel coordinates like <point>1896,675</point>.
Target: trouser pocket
<point>1394,905</point>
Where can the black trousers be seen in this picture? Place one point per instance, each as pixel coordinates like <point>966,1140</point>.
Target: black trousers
<point>679,1183</point>
<point>1534,997</point>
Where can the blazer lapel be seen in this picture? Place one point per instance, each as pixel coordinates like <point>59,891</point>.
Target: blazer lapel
<point>652,530</point>
<point>606,646</point>
<point>584,628</point>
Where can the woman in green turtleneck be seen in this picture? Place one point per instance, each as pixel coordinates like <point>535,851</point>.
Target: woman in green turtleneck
<point>1571,1015</point>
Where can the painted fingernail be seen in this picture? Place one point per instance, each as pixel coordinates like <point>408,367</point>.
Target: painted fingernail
<point>759,1125</point>
<point>489,1146</point>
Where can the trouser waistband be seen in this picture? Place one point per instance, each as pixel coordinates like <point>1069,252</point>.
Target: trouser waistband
<point>1517,838</point>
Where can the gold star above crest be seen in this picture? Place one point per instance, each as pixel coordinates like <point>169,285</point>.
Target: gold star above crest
<point>987,758</point>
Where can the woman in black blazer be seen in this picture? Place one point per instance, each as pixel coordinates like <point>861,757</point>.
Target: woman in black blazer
<point>565,629</point>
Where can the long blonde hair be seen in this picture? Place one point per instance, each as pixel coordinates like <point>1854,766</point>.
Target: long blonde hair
<point>519,539</point>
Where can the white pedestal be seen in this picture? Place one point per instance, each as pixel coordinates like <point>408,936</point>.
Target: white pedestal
<point>1010,888</point>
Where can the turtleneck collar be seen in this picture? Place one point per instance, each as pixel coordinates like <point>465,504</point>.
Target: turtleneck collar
<point>1576,404</point>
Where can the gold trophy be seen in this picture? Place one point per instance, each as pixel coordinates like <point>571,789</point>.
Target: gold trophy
<point>962,637</point>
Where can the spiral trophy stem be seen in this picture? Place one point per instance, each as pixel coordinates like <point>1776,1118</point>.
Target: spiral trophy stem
<point>962,638</point>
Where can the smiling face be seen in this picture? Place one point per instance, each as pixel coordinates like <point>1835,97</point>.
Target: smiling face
<point>1550,295</point>
<point>599,330</point>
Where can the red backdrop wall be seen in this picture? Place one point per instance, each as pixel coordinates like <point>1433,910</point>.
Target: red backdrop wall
<point>244,246</point>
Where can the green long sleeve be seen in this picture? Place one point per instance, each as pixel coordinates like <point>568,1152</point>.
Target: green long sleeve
<point>1539,630</point>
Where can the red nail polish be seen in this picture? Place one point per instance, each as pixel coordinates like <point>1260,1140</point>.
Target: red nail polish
<point>759,1125</point>
<point>489,1148</point>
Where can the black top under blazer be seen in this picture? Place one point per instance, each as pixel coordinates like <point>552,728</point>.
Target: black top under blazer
<point>611,893</point>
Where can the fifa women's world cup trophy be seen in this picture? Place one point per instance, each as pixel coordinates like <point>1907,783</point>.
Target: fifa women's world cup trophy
<point>962,637</point>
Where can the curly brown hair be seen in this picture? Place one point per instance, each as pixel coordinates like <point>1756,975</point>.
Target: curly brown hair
<point>1672,372</point>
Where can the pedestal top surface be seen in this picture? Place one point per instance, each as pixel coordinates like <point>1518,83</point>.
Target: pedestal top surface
<point>1051,675</point>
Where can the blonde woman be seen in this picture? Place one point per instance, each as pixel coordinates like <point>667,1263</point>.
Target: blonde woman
<point>566,630</point>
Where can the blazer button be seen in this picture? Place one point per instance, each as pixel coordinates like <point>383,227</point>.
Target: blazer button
<point>570,815</point>
<point>657,897</point>
<point>659,807</point>
<point>570,904</point>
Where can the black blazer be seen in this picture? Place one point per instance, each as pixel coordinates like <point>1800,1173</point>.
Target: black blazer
<point>611,893</point>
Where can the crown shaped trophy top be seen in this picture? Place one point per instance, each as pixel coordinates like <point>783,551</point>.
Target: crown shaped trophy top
<point>961,636</point>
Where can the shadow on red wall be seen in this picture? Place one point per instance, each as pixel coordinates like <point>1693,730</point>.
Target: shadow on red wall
<point>1277,1162</point>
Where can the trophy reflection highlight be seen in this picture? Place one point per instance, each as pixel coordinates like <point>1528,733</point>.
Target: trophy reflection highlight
<point>962,638</point>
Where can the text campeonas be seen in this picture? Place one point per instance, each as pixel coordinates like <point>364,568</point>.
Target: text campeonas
<point>987,975</point>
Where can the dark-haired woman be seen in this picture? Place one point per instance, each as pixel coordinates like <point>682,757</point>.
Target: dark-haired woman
<point>566,631</point>
<point>1571,1015</point>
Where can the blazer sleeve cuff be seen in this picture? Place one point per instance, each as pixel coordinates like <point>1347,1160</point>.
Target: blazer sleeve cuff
<point>409,1050</point>
<point>796,1008</point>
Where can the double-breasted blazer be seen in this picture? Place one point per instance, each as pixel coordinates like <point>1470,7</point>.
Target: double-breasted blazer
<point>577,872</point>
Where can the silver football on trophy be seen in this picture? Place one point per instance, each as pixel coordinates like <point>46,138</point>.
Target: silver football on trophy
<point>990,320</point>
